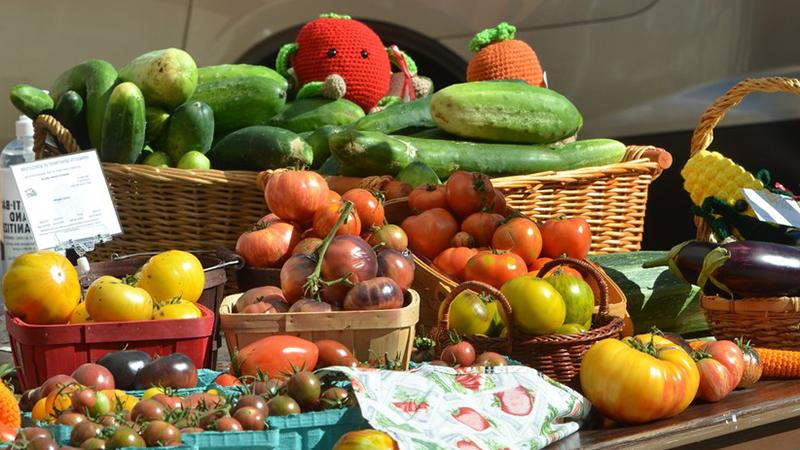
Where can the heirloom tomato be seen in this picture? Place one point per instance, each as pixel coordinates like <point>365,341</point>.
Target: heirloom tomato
<point>398,266</point>
<point>172,274</point>
<point>716,381</point>
<point>481,226</point>
<point>376,293</point>
<point>295,195</point>
<point>109,299</point>
<point>498,203</point>
<point>80,314</point>
<point>369,208</point>
<point>429,233</point>
<point>752,364</point>
<point>177,309</point>
<point>521,236</point>
<point>294,275</point>
<point>427,196</point>
<point>275,355</point>
<point>365,439</point>
<point>469,192</point>
<point>494,268</point>
<point>577,295</point>
<point>453,261</point>
<point>41,288</point>
<point>728,354</point>
<point>638,379</point>
<point>536,305</point>
<point>566,236</point>
<point>268,245</point>
<point>327,216</point>
<point>469,314</point>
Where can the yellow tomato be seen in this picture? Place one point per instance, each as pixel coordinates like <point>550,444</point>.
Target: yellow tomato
<point>172,274</point>
<point>39,411</point>
<point>80,314</point>
<point>41,288</point>
<point>109,299</point>
<point>118,397</point>
<point>639,379</point>
<point>177,310</point>
<point>365,439</point>
<point>538,307</point>
<point>59,400</point>
<point>152,392</point>
<point>213,392</point>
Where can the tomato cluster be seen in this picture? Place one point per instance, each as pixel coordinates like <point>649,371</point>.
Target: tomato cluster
<point>325,245</point>
<point>466,230</point>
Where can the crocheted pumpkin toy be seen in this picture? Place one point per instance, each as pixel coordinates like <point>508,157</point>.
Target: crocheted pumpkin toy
<point>336,56</point>
<point>501,57</point>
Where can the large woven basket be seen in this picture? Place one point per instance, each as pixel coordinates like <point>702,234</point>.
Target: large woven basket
<point>767,322</point>
<point>167,208</point>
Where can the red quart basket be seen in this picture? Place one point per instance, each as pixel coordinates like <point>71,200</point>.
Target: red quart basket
<point>41,351</point>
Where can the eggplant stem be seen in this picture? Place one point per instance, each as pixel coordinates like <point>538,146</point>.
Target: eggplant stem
<point>660,262</point>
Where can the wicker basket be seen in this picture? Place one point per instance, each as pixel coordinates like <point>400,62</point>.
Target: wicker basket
<point>768,322</point>
<point>440,333</point>
<point>559,356</point>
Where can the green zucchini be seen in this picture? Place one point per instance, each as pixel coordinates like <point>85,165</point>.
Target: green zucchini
<point>30,100</point>
<point>93,80</point>
<point>505,111</point>
<point>373,153</point>
<point>413,114</point>
<point>157,119</point>
<point>70,112</point>
<point>167,77</point>
<point>123,125</point>
<point>259,148</point>
<point>191,127</point>
<point>241,102</point>
<point>308,114</point>
<point>318,140</point>
<point>227,71</point>
<point>655,296</point>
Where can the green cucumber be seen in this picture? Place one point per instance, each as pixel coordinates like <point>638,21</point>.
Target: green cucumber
<point>318,140</point>
<point>259,148</point>
<point>505,111</point>
<point>398,117</point>
<point>30,100</point>
<point>123,125</point>
<point>655,296</point>
<point>373,153</point>
<point>93,80</point>
<point>330,167</point>
<point>436,133</point>
<point>227,71</point>
<point>308,114</point>
<point>417,173</point>
<point>70,111</point>
<point>241,102</point>
<point>191,127</point>
<point>167,77</point>
<point>157,119</point>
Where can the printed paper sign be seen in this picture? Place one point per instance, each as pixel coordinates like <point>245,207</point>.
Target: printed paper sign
<point>66,199</point>
<point>773,208</point>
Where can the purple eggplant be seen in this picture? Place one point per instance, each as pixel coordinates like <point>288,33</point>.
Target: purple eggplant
<point>685,260</point>
<point>747,269</point>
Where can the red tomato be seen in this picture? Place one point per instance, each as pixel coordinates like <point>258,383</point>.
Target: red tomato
<point>566,236</point>
<point>497,205</point>
<point>729,355</point>
<point>326,217</point>
<point>332,353</point>
<point>462,239</point>
<point>226,379</point>
<point>430,233</point>
<point>482,226</point>
<point>295,195</point>
<point>275,355</point>
<point>268,245</point>
<point>460,354</point>
<point>334,197</point>
<point>369,209</point>
<point>427,196</point>
<point>396,189</point>
<point>469,192</point>
<point>453,261</point>
<point>494,268</point>
<point>716,381</point>
<point>521,236</point>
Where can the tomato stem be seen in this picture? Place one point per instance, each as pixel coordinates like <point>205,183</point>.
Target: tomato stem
<point>312,286</point>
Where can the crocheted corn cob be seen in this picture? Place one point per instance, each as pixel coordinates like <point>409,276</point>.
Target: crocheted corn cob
<point>711,174</point>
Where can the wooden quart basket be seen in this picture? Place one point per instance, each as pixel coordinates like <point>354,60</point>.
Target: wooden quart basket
<point>768,322</point>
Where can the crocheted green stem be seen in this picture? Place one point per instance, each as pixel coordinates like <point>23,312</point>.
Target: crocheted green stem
<point>310,89</point>
<point>333,16</point>
<point>502,32</point>
<point>282,60</point>
<point>412,66</point>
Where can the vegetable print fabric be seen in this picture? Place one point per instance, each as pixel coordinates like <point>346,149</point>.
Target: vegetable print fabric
<point>435,407</point>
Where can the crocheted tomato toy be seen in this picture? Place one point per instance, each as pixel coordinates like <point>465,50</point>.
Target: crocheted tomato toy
<point>501,57</point>
<point>336,56</point>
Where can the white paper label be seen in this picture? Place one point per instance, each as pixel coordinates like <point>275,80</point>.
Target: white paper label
<point>773,208</point>
<point>17,238</point>
<point>66,198</point>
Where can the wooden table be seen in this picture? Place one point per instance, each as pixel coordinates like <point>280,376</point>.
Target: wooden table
<point>765,417</point>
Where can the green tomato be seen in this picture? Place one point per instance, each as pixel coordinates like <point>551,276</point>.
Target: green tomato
<point>571,328</point>
<point>102,404</point>
<point>158,159</point>
<point>578,297</point>
<point>498,318</point>
<point>194,160</point>
<point>469,314</point>
<point>538,307</point>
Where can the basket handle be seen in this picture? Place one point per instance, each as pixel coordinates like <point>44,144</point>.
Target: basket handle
<point>585,269</point>
<point>704,133</point>
<point>480,288</point>
<point>45,124</point>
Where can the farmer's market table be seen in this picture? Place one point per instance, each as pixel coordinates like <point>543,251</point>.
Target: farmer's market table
<point>766,416</point>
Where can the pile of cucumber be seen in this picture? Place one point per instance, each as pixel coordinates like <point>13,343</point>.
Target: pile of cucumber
<point>161,107</point>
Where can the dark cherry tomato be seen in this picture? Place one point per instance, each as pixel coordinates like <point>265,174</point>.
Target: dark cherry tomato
<point>461,354</point>
<point>161,434</point>
<point>397,266</point>
<point>189,430</point>
<point>336,398</point>
<point>147,410</point>
<point>108,420</point>
<point>70,419</point>
<point>28,399</point>
<point>84,399</point>
<point>83,431</point>
<point>347,255</point>
<point>282,405</point>
<point>332,353</point>
<point>94,376</point>
<point>310,305</point>
<point>427,196</point>
<point>31,433</point>
<point>391,236</point>
<point>377,293</point>
<point>369,208</point>
<point>208,420</point>
<point>307,246</point>
<point>294,274</point>
<point>251,401</point>
<point>170,401</point>
<point>305,388</point>
<point>228,424</point>
<point>125,437</point>
<point>43,443</point>
<point>93,444</point>
<point>54,383</point>
<point>267,389</point>
<point>250,418</point>
<point>490,359</point>
<point>469,192</point>
<point>202,399</point>
<point>327,216</point>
